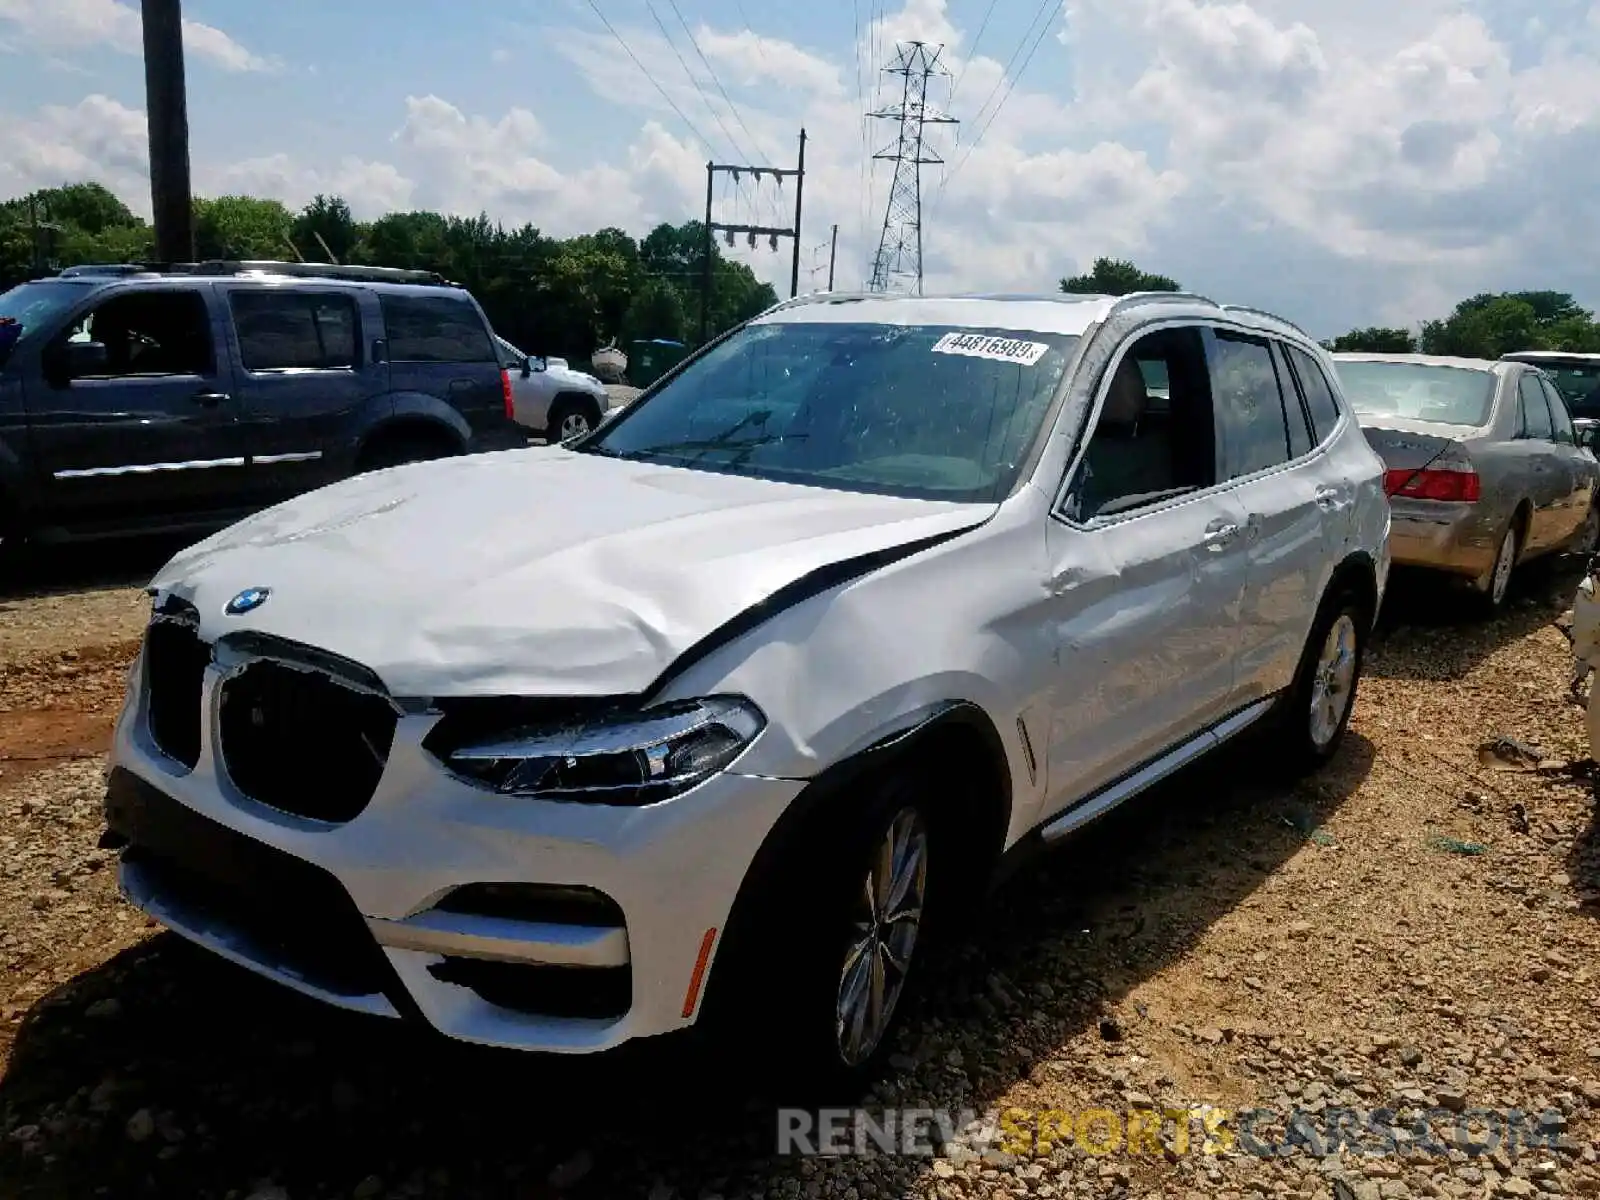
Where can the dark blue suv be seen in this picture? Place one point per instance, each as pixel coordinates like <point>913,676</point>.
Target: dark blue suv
<point>140,399</point>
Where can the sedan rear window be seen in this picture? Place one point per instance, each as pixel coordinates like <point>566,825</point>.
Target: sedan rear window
<point>1419,391</point>
<point>921,411</point>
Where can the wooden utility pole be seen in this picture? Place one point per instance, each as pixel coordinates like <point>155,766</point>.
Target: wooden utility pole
<point>167,112</point>
<point>799,193</point>
<point>750,231</point>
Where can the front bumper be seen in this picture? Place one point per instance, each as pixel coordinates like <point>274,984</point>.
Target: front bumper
<point>359,914</point>
<point>1442,536</point>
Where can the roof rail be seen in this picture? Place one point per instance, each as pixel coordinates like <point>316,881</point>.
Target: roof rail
<point>1261,312</point>
<point>1133,298</point>
<point>313,270</point>
<point>84,270</point>
<point>220,266</point>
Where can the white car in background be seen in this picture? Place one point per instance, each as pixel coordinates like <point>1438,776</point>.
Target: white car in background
<point>551,398</point>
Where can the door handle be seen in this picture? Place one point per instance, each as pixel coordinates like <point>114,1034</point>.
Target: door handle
<point>1220,536</point>
<point>210,399</point>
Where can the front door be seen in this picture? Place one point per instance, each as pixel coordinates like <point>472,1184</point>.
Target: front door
<point>150,437</point>
<point>305,371</point>
<point>1148,567</point>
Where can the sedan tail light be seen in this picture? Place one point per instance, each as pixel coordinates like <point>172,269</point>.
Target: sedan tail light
<point>505,394</point>
<point>1433,484</point>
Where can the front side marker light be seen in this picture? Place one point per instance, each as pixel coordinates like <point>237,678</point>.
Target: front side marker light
<point>626,759</point>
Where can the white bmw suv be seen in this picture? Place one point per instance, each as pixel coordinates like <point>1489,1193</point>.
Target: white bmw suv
<point>863,600</point>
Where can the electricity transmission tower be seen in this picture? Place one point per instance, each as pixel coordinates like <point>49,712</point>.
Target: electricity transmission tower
<point>900,245</point>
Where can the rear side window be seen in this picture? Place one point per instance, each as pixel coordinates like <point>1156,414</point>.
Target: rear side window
<point>1560,419</point>
<point>1320,404</point>
<point>436,329</point>
<point>286,331</point>
<point>1300,436</point>
<point>1249,404</point>
<point>1535,412</point>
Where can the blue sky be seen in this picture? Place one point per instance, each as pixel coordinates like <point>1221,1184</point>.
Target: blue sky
<point>1342,162</point>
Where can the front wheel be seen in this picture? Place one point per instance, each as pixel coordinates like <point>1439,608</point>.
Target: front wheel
<point>570,419</point>
<point>827,966</point>
<point>1315,713</point>
<point>1587,540</point>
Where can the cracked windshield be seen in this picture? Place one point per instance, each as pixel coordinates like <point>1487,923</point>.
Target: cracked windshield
<point>923,411</point>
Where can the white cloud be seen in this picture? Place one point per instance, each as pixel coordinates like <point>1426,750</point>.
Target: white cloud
<point>72,24</point>
<point>370,188</point>
<point>1345,162</point>
<point>97,138</point>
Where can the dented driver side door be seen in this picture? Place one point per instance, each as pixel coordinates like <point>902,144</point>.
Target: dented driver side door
<point>1145,606</point>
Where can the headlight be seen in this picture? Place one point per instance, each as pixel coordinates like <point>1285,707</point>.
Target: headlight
<point>634,758</point>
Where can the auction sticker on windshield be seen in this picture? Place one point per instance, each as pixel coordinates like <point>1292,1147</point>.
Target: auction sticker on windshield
<point>979,345</point>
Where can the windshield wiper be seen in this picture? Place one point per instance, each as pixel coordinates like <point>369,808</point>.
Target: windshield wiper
<point>699,448</point>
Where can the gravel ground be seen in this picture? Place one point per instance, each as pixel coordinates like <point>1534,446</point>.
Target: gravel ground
<point>1414,927</point>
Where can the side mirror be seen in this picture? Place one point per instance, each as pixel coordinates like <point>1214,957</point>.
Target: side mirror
<point>73,360</point>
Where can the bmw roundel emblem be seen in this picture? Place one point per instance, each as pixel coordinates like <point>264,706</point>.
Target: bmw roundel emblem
<point>247,601</point>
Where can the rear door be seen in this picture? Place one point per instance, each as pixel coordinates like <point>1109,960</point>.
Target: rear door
<point>304,374</point>
<point>1577,464</point>
<point>1548,480</point>
<point>1274,475</point>
<point>151,438</point>
<point>438,344</point>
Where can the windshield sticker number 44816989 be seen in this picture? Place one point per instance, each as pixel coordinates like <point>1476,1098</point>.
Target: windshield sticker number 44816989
<point>1001,349</point>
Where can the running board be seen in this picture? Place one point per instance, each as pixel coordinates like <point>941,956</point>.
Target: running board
<point>1154,772</point>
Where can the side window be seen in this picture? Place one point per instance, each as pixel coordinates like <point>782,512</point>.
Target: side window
<point>1250,420</point>
<point>435,329</point>
<point>1153,439</point>
<point>1300,439</point>
<point>166,332</point>
<point>1320,404</point>
<point>282,330</point>
<point>1560,418</point>
<point>1535,412</point>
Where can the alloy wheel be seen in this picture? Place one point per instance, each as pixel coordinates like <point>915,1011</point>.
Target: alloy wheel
<point>887,922</point>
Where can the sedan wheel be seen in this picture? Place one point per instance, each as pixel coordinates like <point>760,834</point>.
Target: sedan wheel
<point>1500,575</point>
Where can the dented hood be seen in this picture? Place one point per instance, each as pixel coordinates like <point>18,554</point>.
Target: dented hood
<point>532,572</point>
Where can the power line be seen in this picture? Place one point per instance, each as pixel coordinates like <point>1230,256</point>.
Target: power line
<point>1010,82</point>
<point>738,150</point>
<point>972,53</point>
<point>643,70</point>
<point>732,107</point>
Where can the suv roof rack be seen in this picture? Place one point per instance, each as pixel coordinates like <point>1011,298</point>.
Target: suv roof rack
<point>1271,316</point>
<point>222,266</point>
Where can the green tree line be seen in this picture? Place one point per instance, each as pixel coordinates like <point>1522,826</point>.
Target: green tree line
<point>561,296</point>
<point>1483,326</point>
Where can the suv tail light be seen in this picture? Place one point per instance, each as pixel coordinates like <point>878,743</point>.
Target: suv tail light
<point>1433,484</point>
<point>505,394</point>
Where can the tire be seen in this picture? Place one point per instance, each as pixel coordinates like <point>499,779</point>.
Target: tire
<point>570,418</point>
<point>398,449</point>
<point>1587,540</point>
<point>1315,712</point>
<point>1497,585</point>
<point>796,980</point>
